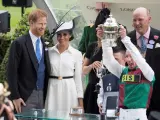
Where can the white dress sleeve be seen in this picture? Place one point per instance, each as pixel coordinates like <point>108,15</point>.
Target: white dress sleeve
<point>78,74</point>
<point>109,61</point>
<point>101,94</point>
<point>138,58</point>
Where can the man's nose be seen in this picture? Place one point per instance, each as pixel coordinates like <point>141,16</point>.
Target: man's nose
<point>137,22</point>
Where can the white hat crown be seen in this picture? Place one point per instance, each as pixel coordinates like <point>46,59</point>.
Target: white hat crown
<point>65,26</point>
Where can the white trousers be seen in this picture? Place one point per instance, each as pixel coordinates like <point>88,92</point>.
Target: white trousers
<point>133,114</point>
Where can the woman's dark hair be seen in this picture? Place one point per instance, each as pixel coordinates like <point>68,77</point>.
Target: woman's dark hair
<point>102,16</point>
<point>70,32</point>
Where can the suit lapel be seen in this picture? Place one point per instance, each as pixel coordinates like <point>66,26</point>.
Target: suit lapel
<point>46,56</point>
<point>31,52</point>
<point>151,35</point>
<point>133,38</point>
<point>147,57</point>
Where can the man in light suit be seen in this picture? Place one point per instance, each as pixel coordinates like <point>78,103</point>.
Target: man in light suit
<point>28,67</point>
<point>148,40</point>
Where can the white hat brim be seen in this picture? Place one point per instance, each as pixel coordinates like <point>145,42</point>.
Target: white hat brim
<point>65,26</point>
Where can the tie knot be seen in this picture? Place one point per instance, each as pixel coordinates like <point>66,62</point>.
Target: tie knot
<point>38,40</point>
<point>141,37</point>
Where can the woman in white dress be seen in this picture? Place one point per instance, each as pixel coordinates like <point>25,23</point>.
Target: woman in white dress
<point>65,84</point>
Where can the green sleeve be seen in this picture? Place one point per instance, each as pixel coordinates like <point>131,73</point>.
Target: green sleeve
<point>82,43</point>
<point>153,81</point>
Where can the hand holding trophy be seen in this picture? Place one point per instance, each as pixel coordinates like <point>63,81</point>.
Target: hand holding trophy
<point>100,72</point>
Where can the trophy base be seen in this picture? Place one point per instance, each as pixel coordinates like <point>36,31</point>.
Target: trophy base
<point>110,42</point>
<point>76,111</point>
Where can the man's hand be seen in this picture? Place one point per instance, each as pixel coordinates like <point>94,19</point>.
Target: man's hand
<point>18,103</point>
<point>122,32</point>
<point>100,32</point>
<point>100,108</point>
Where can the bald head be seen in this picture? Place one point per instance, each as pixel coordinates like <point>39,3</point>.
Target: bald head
<point>141,20</point>
<point>141,10</point>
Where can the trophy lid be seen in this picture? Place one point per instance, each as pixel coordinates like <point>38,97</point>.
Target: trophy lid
<point>111,22</point>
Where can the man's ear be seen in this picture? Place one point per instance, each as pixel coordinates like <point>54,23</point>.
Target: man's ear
<point>149,18</point>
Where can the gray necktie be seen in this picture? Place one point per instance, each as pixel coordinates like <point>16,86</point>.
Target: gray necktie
<point>143,44</point>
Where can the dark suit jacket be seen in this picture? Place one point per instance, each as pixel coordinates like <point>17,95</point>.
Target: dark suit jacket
<point>153,59</point>
<point>22,67</point>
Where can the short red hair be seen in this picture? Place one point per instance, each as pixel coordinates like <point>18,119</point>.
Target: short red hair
<point>35,14</point>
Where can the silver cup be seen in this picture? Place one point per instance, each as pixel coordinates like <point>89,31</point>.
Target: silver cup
<point>110,28</point>
<point>100,73</point>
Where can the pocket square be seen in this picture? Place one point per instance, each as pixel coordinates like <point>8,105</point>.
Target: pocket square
<point>157,45</point>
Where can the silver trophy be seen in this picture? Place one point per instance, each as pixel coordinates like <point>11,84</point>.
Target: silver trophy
<point>100,73</point>
<point>110,28</point>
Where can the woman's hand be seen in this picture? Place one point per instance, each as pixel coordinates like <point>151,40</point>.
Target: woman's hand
<point>100,108</point>
<point>96,65</point>
<point>100,32</point>
<point>80,100</point>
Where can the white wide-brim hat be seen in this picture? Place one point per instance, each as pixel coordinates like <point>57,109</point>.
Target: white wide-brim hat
<point>65,26</point>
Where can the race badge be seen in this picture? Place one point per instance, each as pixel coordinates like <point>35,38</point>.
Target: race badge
<point>131,78</point>
<point>151,42</point>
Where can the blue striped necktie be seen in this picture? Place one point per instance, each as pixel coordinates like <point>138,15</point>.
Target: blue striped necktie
<point>38,52</point>
<point>143,44</point>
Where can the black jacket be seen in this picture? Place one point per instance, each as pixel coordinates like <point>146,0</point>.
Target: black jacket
<point>22,67</point>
